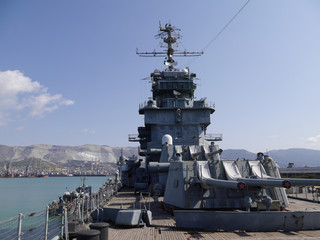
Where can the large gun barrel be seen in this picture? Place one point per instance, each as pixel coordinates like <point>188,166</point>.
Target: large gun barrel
<point>266,182</point>
<point>156,167</point>
<point>196,154</point>
<point>302,182</point>
<point>214,152</point>
<point>288,182</point>
<point>205,178</point>
<point>224,183</point>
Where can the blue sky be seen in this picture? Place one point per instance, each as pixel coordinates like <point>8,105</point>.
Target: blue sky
<point>69,74</point>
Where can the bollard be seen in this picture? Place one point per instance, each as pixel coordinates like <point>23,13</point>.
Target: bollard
<point>103,228</point>
<point>88,235</point>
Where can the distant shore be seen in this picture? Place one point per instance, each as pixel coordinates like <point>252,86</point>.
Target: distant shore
<point>56,175</point>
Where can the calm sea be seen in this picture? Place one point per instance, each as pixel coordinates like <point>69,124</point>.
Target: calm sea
<point>25,195</point>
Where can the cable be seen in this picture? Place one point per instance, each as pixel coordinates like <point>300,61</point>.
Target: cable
<point>228,23</point>
<point>222,30</point>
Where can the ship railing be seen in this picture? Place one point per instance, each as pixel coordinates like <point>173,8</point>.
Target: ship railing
<point>146,104</point>
<point>8,229</point>
<point>54,223</point>
<point>143,105</point>
<point>210,105</point>
<point>213,137</point>
<point>36,225</point>
<point>133,138</point>
<point>175,102</point>
<point>306,193</point>
<point>145,201</point>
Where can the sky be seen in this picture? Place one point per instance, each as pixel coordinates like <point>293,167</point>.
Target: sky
<point>69,73</point>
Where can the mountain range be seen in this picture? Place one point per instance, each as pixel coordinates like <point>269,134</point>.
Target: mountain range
<point>301,157</point>
<point>60,155</point>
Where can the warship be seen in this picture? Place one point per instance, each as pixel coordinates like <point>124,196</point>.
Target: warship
<point>179,162</point>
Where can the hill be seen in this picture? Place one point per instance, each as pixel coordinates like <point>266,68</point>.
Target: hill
<point>299,156</point>
<point>67,155</point>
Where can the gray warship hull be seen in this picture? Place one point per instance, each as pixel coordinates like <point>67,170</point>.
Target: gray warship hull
<point>248,221</point>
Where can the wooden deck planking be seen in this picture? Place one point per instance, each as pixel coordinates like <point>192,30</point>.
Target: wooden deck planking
<point>164,227</point>
<point>171,234</point>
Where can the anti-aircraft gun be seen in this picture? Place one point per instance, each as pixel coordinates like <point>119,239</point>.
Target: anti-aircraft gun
<point>131,173</point>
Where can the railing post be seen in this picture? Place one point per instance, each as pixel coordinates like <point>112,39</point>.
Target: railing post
<point>88,206</point>
<point>82,209</point>
<point>306,190</point>
<point>46,224</point>
<point>62,224</point>
<point>102,198</point>
<point>66,232</point>
<point>79,210</point>
<point>19,226</point>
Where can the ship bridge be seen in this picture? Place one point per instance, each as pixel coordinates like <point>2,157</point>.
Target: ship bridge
<point>172,109</point>
<point>174,83</point>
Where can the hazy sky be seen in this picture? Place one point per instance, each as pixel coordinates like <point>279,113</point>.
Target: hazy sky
<point>69,74</point>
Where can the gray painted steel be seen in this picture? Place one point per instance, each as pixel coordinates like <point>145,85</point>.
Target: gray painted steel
<point>248,221</point>
<point>128,217</point>
<point>179,160</point>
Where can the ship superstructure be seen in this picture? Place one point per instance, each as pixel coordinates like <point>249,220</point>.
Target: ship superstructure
<point>181,162</point>
<point>173,110</point>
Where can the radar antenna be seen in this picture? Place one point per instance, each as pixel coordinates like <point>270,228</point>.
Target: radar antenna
<point>169,36</point>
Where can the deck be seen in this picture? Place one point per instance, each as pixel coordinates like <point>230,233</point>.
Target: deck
<point>163,224</point>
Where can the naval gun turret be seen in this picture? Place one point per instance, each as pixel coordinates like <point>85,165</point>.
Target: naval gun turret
<point>182,162</point>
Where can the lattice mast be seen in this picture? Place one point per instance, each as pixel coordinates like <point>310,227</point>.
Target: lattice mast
<point>169,34</point>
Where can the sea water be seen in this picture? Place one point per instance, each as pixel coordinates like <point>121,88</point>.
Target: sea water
<point>25,195</point>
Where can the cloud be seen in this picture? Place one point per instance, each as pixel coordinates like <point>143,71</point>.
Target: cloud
<point>88,131</point>
<point>3,118</point>
<point>19,93</point>
<point>46,103</point>
<point>274,136</point>
<point>314,139</point>
<point>19,129</point>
